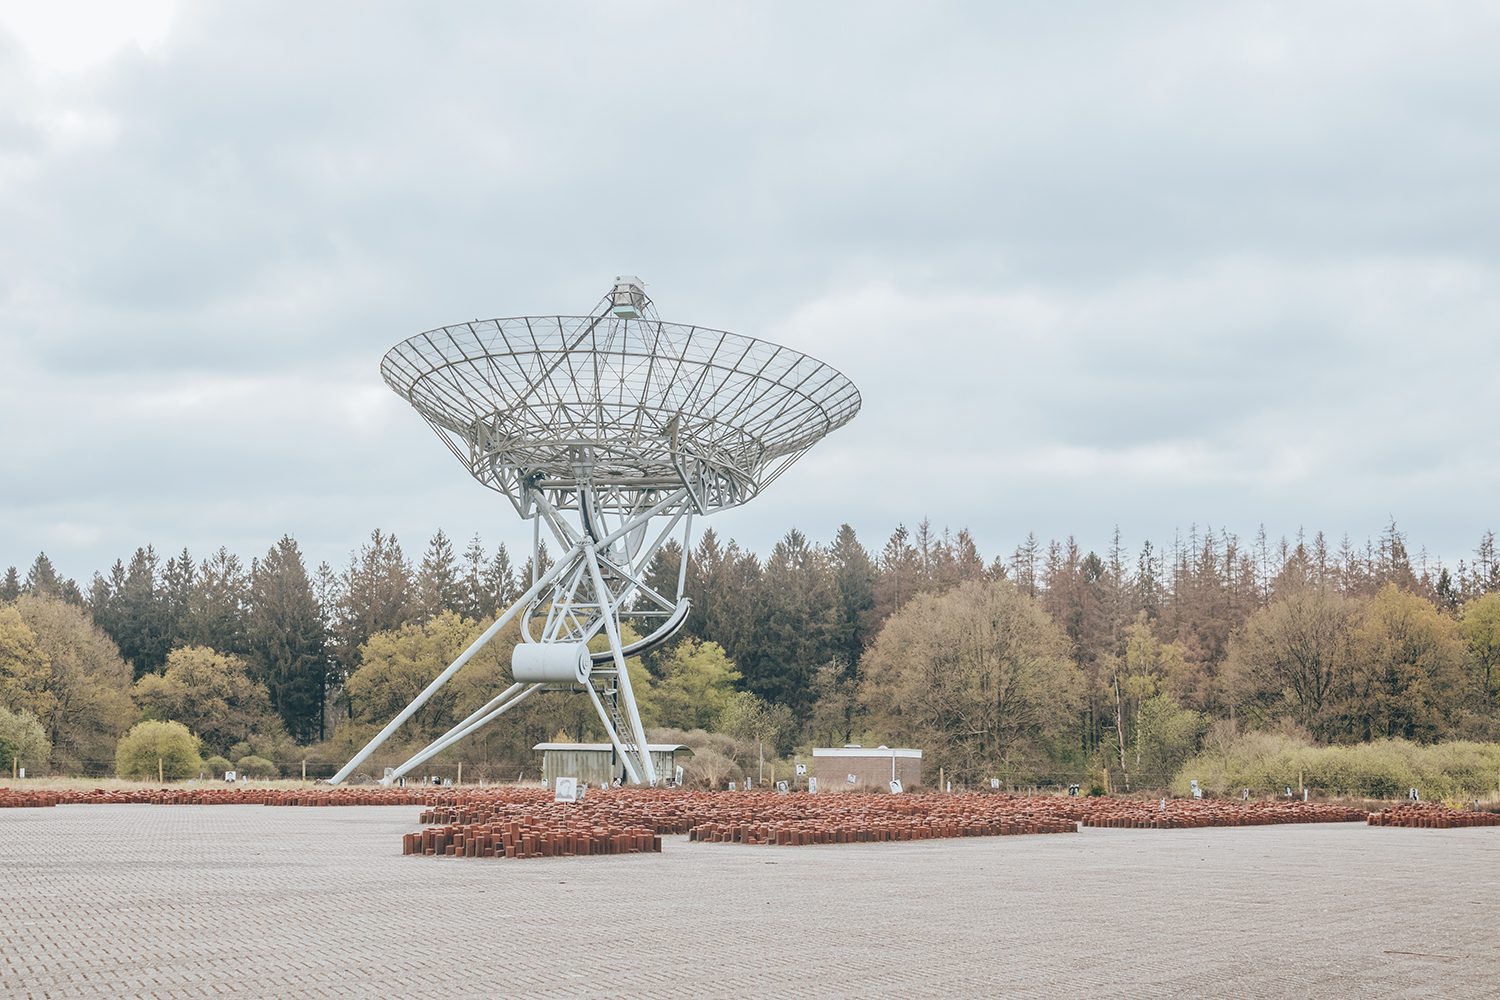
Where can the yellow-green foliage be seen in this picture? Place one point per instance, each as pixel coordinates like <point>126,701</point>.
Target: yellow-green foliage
<point>696,685</point>
<point>1268,762</point>
<point>256,767</point>
<point>23,742</point>
<point>148,742</point>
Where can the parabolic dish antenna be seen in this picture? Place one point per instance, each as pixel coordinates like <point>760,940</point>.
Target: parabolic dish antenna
<point>611,429</point>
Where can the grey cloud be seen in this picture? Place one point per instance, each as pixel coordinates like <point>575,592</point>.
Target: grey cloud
<point>1089,265</point>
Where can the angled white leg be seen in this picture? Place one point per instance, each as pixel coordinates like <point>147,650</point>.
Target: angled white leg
<point>632,713</point>
<point>437,682</point>
<point>474,722</point>
<point>631,770</point>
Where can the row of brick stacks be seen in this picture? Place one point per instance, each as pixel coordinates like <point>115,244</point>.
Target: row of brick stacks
<point>473,822</point>
<point>775,819</point>
<point>529,839</point>
<point>1192,814</point>
<point>227,796</point>
<point>1433,816</point>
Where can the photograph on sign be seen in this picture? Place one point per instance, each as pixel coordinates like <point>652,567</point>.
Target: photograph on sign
<point>896,787</point>
<point>801,770</point>
<point>565,790</point>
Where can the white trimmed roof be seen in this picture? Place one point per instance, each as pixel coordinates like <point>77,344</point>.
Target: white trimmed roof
<point>605,747</point>
<point>865,752</point>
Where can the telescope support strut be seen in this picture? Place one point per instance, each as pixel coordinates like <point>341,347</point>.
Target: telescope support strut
<point>595,585</point>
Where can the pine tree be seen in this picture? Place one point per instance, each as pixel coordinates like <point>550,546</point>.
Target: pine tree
<point>1073,596</point>
<point>1486,568</point>
<point>218,604</point>
<point>42,579</point>
<point>964,563</point>
<point>438,585</point>
<point>104,605</point>
<point>377,595</point>
<point>140,627</point>
<point>501,587</point>
<point>900,574</point>
<point>1148,582</point>
<point>854,578</point>
<point>1393,565</point>
<point>661,572</point>
<point>724,583</point>
<point>796,629</point>
<point>286,640</point>
<point>530,573</point>
<point>1024,564</point>
<point>177,594</point>
<point>10,587</point>
<point>476,603</point>
<point>929,553</point>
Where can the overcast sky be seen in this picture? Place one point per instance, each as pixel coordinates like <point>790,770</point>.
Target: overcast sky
<point>1089,264</point>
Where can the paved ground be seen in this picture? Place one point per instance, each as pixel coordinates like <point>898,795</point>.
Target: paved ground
<point>278,902</point>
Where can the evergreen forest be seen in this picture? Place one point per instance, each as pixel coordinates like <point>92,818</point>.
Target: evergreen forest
<point>1045,664</point>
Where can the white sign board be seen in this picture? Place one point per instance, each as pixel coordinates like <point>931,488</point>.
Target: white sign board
<point>231,776</point>
<point>678,774</point>
<point>801,770</point>
<point>853,780</point>
<point>994,782</point>
<point>781,786</point>
<point>812,786</point>
<point>733,787</point>
<point>896,787</point>
<point>565,790</point>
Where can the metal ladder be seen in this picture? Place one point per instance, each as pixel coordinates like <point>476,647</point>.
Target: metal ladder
<point>619,721</point>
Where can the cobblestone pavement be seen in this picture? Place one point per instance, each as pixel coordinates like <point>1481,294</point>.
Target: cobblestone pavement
<point>188,901</point>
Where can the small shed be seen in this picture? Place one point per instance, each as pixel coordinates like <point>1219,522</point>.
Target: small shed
<point>597,764</point>
<point>870,767</point>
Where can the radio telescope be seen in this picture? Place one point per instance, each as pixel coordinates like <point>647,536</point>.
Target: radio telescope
<point>610,430</point>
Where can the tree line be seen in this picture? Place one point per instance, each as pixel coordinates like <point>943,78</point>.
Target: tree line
<point>1043,660</point>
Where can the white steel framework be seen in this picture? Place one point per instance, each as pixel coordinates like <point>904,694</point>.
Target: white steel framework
<point>611,430</point>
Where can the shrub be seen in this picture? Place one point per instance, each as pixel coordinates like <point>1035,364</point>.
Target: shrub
<point>708,769</point>
<point>147,743</point>
<point>1383,769</point>
<point>256,767</point>
<point>215,766</point>
<point>23,741</point>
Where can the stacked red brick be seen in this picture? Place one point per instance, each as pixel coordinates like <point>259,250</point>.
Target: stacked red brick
<point>529,839</point>
<point>1430,816</point>
<point>1187,814</point>
<point>855,819</point>
<point>13,799</point>
<point>230,795</point>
